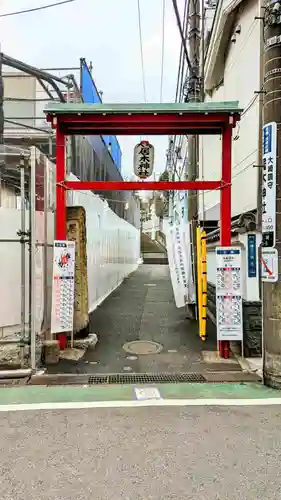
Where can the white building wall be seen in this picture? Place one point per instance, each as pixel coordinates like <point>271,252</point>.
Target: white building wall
<point>241,80</point>
<point>17,86</point>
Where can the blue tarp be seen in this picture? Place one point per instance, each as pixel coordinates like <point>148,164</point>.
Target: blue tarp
<point>91,96</point>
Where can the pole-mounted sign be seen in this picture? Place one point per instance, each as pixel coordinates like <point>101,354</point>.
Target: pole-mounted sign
<point>143,159</point>
<point>269,150</point>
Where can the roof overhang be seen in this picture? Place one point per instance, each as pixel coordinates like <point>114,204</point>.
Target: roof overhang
<point>138,119</point>
<point>222,25</point>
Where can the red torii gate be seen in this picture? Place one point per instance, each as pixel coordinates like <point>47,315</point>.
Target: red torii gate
<point>146,119</point>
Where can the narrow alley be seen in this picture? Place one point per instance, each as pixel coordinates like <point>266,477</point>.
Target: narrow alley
<point>142,309</point>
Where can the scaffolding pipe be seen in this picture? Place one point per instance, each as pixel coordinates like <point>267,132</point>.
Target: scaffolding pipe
<point>31,127</point>
<point>30,264</point>
<point>12,341</point>
<point>33,257</point>
<point>31,70</point>
<point>22,241</point>
<point>45,257</point>
<point>21,373</point>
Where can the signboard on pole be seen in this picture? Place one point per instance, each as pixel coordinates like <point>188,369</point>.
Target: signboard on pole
<point>229,294</point>
<point>269,150</point>
<point>269,262</point>
<point>252,255</point>
<point>143,159</point>
<point>63,286</point>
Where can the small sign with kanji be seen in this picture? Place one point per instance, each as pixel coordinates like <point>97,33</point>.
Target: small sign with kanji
<point>143,159</point>
<point>269,185</point>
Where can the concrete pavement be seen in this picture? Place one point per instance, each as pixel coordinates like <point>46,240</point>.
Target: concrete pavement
<point>182,453</point>
<point>143,308</point>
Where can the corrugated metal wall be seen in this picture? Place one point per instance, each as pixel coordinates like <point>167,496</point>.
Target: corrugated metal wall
<point>92,162</point>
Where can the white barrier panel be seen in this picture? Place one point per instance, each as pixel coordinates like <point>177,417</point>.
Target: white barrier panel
<point>113,246</point>
<point>10,272</point>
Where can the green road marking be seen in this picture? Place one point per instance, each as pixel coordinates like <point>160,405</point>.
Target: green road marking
<point>217,391</point>
<point>63,394</point>
<point>43,394</point>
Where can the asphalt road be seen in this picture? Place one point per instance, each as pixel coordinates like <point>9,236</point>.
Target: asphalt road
<point>222,453</point>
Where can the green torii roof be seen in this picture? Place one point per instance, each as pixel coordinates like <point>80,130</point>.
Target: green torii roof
<point>227,107</point>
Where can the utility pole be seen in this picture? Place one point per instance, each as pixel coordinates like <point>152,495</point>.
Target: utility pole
<point>192,86</point>
<point>272,113</point>
<point>1,101</point>
<point>1,119</point>
<point>192,94</point>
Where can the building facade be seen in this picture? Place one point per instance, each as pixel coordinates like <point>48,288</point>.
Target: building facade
<point>233,72</point>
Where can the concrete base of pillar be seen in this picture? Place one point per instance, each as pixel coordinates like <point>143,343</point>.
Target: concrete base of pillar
<point>51,352</point>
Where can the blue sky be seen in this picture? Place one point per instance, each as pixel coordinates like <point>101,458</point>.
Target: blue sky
<point>105,32</point>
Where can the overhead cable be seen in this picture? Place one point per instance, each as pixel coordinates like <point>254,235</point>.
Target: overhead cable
<point>163,49</point>
<point>36,9</point>
<point>141,51</point>
<point>182,36</point>
<point>181,57</point>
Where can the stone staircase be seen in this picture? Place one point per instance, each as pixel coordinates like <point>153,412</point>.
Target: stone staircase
<point>154,252</point>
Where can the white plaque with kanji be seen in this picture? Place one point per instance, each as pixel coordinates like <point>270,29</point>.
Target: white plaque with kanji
<point>63,286</point>
<point>229,294</point>
<point>143,159</point>
<point>269,154</point>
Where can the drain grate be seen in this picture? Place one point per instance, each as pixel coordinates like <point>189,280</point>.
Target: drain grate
<point>139,378</point>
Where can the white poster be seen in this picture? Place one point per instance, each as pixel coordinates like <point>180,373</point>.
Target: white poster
<point>63,286</point>
<point>269,150</point>
<point>229,294</point>
<point>180,264</point>
<point>269,264</point>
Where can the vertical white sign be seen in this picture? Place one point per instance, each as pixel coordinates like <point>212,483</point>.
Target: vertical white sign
<point>229,294</point>
<point>180,265</point>
<point>63,286</point>
<point>269,150</point>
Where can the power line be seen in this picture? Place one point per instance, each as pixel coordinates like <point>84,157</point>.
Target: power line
<point>141,52</point>
<point>36,9</point>
<point>163,50</point>
<point>182,36</point>
<point>179,89</point>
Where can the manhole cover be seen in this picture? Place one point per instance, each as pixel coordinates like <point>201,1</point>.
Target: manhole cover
<point>142,347</point>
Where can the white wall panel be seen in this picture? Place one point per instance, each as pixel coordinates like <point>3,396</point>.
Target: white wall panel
<point>113,246</point>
